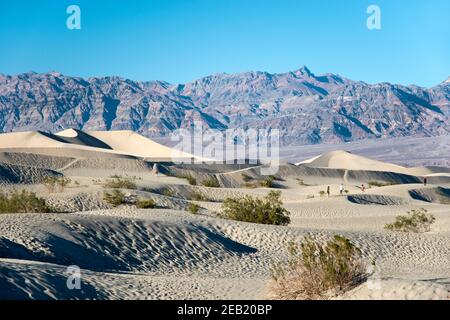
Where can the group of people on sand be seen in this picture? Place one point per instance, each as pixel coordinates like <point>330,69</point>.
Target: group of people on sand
<point>341,190</point>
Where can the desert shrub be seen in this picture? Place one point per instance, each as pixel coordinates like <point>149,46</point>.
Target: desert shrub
<point>250,185</point>
<point>145,204</point>
<point>379,184</point>
<point>268,182</point>
<point>56,184</point>
<point>414,221</point>
<point>246,177</point>
<point>118,182</point>
<point>168,192</point>
<point>318,271</point>
<point>22,202</point>
<point>346,191</point>
<point>114,198</point>
<point>193,208</point>
<point>211,182</point>
<point>248,209</point>
<point>301,182</point>
<point>198,196</point>
<point>322,193</point>
<point>191,180</point>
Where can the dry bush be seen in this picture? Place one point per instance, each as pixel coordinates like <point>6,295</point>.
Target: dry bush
<point>268,182</point>
<point>194,208</point>
<point>114,198</point>
<point>198,196</point>
<point>168,192</point>
<point>56,184</point>
<point>250,185</point>
<point>211,182</point>
<point>23,202</point>
<point>269,210</point>
<point>317,271</point>
<point>414,221</point>
<point>145,204</point>
<point>246,177</point>
<point>118,182</point>
<point>191,180</point>
<point>379,184</point>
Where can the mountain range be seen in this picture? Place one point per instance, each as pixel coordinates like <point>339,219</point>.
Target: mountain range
<point>306,108</point>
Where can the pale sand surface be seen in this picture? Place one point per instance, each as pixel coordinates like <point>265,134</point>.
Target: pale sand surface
<point>168,253</point>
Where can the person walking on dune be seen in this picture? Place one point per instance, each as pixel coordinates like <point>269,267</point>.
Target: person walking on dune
<point>341,189</point>
<point>425,181</point>
<point>328,191</point>
<point>363,188</point>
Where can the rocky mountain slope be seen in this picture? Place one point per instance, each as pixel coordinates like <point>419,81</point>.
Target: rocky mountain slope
<point>305,107</point>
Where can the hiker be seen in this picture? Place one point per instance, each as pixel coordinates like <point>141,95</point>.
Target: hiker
<point>363,188</point>
<point>155,169</point>
<point>328,191</point>
<point>425,181</point>
<point>341,189</point>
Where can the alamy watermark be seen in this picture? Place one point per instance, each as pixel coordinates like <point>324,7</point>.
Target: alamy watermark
<point>73,278</point>
<point>73,21</point>
<point>232,146</point>
<point>374,20</point>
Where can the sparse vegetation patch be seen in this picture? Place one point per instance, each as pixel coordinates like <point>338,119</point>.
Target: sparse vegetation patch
<point>119,182</point>
<point>318,271</point>
<point>211,182</point>
<point>56,184</point>
<point>269,210</point>
<point>414,221</point>
<point>23,202</point>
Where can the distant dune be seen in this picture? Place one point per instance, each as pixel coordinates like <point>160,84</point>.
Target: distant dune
<point>93,144</point>
<point>345,160</point>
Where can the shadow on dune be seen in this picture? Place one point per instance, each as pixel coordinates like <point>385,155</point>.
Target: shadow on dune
<point>20,281</point>
<point>107,244</point>
<point>374,199</point>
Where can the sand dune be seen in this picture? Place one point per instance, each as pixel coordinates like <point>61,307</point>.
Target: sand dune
<point>131,143</point>
<point>91,144</point>
<point>345,160</point>
<point>169,253</point>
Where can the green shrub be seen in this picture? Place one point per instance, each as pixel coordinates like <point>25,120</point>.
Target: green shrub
<point>118,182</point>
<point>145,204</point>
<point>211,182</point>
<point>55,184</point>
<point>317,271</point>
<point>246,177</point>
<point>248,209</point>
<point>414,221</point>
<point>23,202</point>
<point>322,193</point>
<point>301,182</point>
<point>193,208</point>
<point>114,198</point>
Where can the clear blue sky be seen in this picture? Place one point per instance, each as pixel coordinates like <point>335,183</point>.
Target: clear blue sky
<point>182,40</point>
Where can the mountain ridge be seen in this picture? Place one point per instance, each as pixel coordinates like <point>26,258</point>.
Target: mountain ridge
<point>306,108</point>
